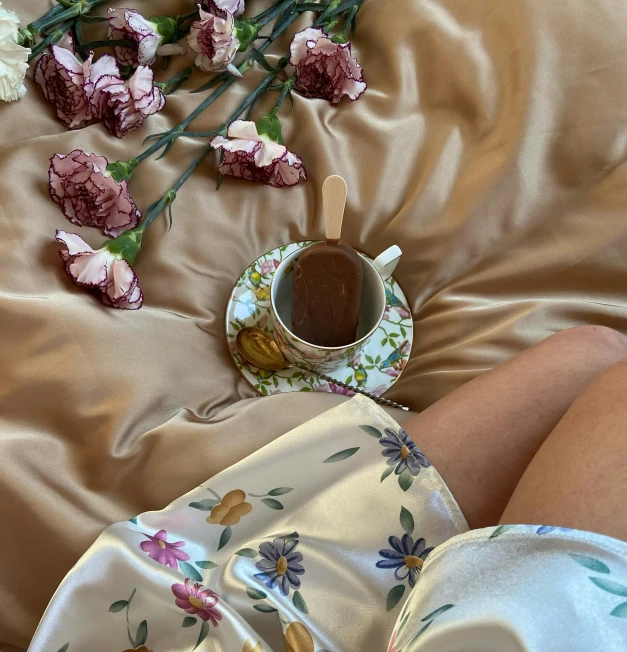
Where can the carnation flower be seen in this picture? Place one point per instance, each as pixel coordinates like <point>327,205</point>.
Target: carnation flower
<point>248,154</point>
<point>221,7</point>
<point>325,69</point>
<point>13,58</point>
<point>152,36</point>
<point>214,39</point>
<point>61,76</point>
<point>102,269</point>
<point>88,195</point>
<point>123,106</point>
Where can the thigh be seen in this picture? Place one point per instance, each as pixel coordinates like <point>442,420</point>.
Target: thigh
<point>578,479</point>
<point>482,437</point>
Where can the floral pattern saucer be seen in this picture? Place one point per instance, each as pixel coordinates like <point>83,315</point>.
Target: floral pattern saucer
<point>375,368</point>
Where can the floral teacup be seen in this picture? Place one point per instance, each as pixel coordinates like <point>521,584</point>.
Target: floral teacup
<point>372,306</point>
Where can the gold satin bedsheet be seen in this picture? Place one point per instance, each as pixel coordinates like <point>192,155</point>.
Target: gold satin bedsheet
<point>490,146</point>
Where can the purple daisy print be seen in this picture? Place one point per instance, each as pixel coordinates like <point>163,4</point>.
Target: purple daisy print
<point>280,565</point>
<point>163,551</point>
<point>405,557</point>
<point>402,452</point>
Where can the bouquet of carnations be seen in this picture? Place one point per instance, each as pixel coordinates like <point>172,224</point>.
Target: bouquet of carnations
<point>117,87</point>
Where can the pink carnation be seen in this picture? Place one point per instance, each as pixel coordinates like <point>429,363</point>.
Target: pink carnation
<point>325,69</point>
<point>220,7</point>
<point>214,41</point>
<point>88,196</point>
<point>252,157</point>
<point>123,106</point>
<point>131,25</point>
<point>61,76</point>
<point>101,270</point>
<point>196,599</point>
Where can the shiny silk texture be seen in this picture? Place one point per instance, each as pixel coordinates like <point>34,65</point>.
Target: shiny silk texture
<point>489,145</point>
<point>292,546</point>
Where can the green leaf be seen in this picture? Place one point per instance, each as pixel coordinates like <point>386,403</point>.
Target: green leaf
<point>342,455</point>
<point>91,19</point>
<point>211,491</point>
<point>590,563</point>
<point>384,341</point>
<point>609,586</point>
<point>289,537</point>
<point>189,571</point>
<point>133,520</point>
<point>118,606</point>
<point>305,389</point>
<point>407,521</point>
<point>377,359</point>
<point>401,627</point>
<point>246,552</point>
<point>204,630</point>
<point>270,126</point>
<point>348,379</point>
<point>225,537</point>
<point>264,390</point>
<point>437,612</point>
<point>264,608</point>
<point>501,529</point>
<point>394,335</point>
<point>405,479</point>
<point>64,648</point>
<point>205,505</point>
<point>206,564</point>
<point>387,472</point>
<point>424,629</point>
<point>392,343</point>
<point>272,504</point>
<point>394,596</point>
<point>370,360</point>
<point>372,431</point>
<point>280,491</point>
<point>255,594</point>
<point>142,634</point>
<point>299,602</point>
<point>369,367</point>
<point>620,611</point>
<point>403,332</point>
<point>188,621</point>
<point>260,59</point>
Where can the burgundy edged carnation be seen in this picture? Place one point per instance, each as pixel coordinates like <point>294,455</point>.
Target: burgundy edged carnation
<point>101,270</point>
<point>129,24</point>
<point>214,40</point>
<point>123,106</point>
<point>253,157</point>
<point>61,76</point>
<point>221,7</point>
<point>88,196</point>
<point>325,69</point>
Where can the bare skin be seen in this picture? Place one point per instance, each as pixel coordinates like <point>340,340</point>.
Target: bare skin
<point>519,434</point>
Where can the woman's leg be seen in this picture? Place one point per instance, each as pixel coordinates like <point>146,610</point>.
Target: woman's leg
<point>578,478</point>
<point>482,437</point>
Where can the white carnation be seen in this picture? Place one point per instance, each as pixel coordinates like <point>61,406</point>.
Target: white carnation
<point>13,58</point>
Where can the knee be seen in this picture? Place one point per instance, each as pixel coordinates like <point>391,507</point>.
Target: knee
<point>604,342</point>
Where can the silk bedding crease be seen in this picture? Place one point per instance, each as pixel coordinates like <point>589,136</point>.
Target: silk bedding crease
<point>490,146</point>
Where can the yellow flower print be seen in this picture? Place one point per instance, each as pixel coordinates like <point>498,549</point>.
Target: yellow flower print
<point>248,646</point>
<point>298,639</point>
<point>231,509</point>
<point>262,294</point>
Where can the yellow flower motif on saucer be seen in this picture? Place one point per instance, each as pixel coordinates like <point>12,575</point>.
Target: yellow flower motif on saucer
<point>262,294</point>
<point>248,646</point>
<point>255,277</point>
<point>231,509</point>
<point>298,639</point>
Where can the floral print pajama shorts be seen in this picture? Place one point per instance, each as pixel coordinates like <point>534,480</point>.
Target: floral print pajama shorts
<point>337,537</point>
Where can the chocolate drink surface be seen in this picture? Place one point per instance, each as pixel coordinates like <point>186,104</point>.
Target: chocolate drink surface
<point>326,296</point>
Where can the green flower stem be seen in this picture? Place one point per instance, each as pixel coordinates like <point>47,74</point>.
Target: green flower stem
<point>287,87</point>
<point>92,45</point>
<point>71,10</point>
<point>174,83</point>
<point>50,39</point>
<point>262,19</point>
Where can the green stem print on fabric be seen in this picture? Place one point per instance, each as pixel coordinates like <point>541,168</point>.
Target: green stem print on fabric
<point>428,620</point>
<point>342,455</point>
<point>609,586</point>
<point>141,634</point>
<point>64,648</point>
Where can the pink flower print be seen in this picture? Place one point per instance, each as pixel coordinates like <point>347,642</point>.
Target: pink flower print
<point>266,267</point>
<point>336,389</point>
<point>194,598</point>
<point>263,321</point>
<point>163,551</point>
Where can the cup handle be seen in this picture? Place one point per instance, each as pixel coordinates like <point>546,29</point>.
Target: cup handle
<point>385,263</point>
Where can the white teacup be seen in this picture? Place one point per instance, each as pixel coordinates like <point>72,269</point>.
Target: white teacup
<point>371,309</point>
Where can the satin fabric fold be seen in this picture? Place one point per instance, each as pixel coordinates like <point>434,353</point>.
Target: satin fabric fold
<point>490,146</point>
